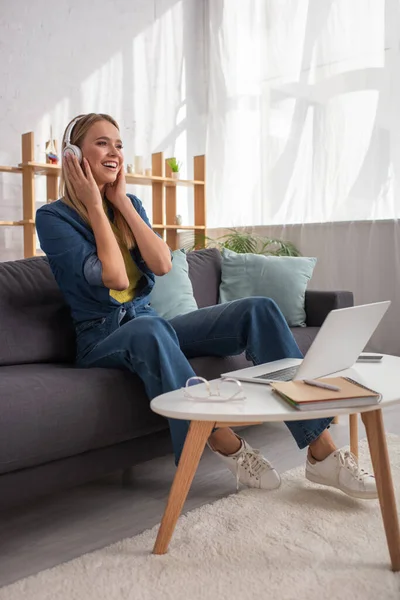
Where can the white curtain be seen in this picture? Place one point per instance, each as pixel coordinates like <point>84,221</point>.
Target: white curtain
<point>304,128</point>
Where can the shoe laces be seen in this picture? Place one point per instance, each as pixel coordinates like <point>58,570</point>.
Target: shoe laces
<point>349,461</point>
<point>253,462</point>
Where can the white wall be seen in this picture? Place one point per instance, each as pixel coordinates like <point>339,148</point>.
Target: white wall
<point>142,61</point>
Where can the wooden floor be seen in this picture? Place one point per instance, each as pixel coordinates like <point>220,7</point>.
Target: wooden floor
<point>92,516</point>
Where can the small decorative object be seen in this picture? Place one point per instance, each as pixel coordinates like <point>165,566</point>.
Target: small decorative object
<point>148,172</point>
<point>51,149</point>
<point>175,166</point>
<point>138,165</point>
<point>178,220</point>
<point>129,168</point>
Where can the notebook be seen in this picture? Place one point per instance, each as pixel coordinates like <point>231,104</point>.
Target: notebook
<point>306,397</point>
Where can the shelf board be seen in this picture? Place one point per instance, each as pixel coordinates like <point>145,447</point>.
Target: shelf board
<point>187,182</point>
<point>143,180</point>
<point>42,168</point>
<point>48,169</point>
<point>188,227</point>
<point>4,169</point>
<point>17,223</point>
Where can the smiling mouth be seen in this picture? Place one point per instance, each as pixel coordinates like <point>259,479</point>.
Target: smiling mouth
<point>111,165</point>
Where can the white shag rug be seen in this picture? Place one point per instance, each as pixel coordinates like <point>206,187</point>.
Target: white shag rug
<point>301,542</point>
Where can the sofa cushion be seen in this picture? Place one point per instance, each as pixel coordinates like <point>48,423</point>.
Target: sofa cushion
<point>304,337</point>
<point>282,278</point>
<point>205,275</point>
<point>35,323</point>
<point>172,294</point>
<point>50,411</point>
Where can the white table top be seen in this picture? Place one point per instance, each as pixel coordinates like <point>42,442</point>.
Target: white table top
<point>263,405</point>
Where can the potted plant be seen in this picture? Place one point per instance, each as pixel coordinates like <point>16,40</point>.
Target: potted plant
<point>175,166</point>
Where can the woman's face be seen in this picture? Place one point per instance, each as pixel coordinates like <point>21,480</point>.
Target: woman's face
<point>102,148</point>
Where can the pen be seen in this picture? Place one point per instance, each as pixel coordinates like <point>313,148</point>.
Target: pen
<point>319,384</point>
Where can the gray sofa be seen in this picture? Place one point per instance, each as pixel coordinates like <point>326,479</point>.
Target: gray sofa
<point>60,425</point>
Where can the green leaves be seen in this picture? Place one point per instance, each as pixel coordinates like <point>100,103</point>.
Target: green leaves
<point>174,164</point>
<point>244,243</point>
<point>276,247</point>
<point>239,242</point>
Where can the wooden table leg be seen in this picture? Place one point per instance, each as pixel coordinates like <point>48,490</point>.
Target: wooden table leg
<point>199,432</point>
<point>373,422</point>
<point>353,423</point>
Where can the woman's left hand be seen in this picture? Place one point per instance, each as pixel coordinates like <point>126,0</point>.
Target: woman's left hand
<point>116,192</point>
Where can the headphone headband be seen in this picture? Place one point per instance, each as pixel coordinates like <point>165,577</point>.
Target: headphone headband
<point>68,133</point>
<point>71,148</point>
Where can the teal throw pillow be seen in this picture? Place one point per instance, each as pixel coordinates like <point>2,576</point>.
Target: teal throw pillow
<point>172,294</point>
<point>282,278</point>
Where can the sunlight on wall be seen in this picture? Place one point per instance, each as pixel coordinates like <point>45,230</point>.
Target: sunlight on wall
<point>159,95</point>
<point>102,91</point>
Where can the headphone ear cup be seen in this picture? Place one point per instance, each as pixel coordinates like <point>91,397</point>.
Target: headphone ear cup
<point>75,150</point>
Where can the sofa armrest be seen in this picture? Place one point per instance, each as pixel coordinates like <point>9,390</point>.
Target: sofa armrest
<point>318,304</point>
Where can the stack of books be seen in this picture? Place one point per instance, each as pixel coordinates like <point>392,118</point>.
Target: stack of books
<point>348,394</point>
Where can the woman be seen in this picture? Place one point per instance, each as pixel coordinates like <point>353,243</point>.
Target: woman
<point>104,256</point>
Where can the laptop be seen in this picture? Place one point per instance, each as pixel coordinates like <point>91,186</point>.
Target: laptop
<point>341,338</point>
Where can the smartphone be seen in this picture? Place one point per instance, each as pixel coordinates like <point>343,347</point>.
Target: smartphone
<point>369,357</point>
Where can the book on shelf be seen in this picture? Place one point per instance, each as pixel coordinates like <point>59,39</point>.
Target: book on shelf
<point>351,394</point>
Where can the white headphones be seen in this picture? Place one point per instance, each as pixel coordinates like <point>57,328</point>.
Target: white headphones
<point>71,148</point>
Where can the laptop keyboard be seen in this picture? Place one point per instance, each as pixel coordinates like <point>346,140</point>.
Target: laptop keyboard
<point>281,375</point>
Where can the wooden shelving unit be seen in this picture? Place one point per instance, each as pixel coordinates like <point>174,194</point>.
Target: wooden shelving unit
<point>163,194</point>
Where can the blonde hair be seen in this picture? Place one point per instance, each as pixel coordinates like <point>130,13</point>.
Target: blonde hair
<point>124,233</point>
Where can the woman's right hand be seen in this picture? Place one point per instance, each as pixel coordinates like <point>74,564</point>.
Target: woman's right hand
<point>82,181</point>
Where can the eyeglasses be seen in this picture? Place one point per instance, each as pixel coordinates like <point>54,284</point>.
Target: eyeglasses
<point>226,390</point>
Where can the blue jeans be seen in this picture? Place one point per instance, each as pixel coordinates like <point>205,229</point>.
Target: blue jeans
<point>158,350</point>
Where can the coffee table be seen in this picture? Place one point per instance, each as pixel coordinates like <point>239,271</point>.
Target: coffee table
<point>262,405</point>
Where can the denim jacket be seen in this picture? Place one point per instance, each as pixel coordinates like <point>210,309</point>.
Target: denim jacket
<point>70,246</point>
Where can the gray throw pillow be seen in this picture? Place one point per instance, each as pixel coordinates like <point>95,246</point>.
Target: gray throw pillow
<point>172,294</point>
<point>282,278</point>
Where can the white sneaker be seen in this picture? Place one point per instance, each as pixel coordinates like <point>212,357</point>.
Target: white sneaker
<point>340,470</point>
<point>250,468</point>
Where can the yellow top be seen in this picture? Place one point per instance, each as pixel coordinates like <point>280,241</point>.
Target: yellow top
<point>132,271</point>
